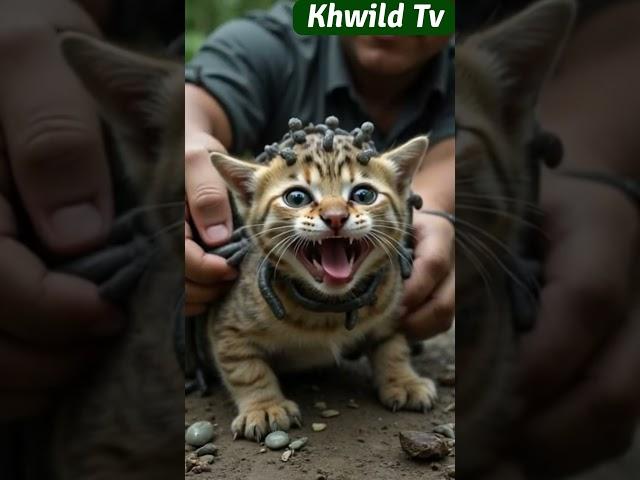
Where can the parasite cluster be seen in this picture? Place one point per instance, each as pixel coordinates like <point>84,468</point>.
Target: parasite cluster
<point>297,135</point>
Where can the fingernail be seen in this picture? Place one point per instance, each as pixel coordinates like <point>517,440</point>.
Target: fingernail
<point>77,224</point>
<point>231,275</point>
<point>217,233</point>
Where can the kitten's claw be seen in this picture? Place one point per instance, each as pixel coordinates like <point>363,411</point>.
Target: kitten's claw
<point>254,422</point>
<point>235,436</point>
<point>297,421</point>
<point>412,393</point>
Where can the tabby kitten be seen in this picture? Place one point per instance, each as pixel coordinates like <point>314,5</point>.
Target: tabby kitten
<point>125,422</point>
<point>499,75</point>
<point>328,222</point>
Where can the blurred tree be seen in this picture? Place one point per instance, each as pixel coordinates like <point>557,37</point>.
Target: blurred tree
<point>203,16</point>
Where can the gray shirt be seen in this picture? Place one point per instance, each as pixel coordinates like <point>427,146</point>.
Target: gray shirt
<point>263,73</point>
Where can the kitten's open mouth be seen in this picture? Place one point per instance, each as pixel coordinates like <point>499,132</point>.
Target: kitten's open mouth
<point>334,260</point>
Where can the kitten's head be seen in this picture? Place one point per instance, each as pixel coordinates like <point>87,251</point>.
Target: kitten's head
<point>142,99</point>
<point>499,75</point>
<point>326,219</point>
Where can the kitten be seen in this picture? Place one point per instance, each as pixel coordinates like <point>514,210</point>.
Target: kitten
<point>499,76</point>
<point>327,222</point>
<point>126,423</point>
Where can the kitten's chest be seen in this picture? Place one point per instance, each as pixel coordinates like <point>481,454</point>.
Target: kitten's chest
<point>290,349</point>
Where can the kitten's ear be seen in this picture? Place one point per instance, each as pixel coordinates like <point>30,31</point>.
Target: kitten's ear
<point>527,47</point>
<point>128,87</point>
<point>239,175</point>
<point>407,159</point>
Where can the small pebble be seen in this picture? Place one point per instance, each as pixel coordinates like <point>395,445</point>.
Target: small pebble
<point>208,459</point>
<point>286,455</point>
<point>320,405</point>
<point>352,403</point>
<point>199,434</point>
<point>299,443</point>
<point>207,449</point>
<point>448,430</point>
<point>424,446</point>
<point>277,440</point>
<point>263,450</point>
<point>329,413</point>
<point>318,427</point>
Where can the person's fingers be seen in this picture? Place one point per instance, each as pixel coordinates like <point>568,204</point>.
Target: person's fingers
<point>53,141</point>
<point>44,306</point>
<point>433,260</point>
<point>436,315</point>
<point>580,306</point>
<point>196,293</point>
<point>204,268</point>
<point>192,309</point>
<point>597,418</point>
<point>25,368</point>
<point>207,197</point>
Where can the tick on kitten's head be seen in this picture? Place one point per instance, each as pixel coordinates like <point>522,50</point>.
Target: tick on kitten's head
<point>326,219</point>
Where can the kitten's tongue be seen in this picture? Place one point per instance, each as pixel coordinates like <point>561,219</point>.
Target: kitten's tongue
<point>333,257</point>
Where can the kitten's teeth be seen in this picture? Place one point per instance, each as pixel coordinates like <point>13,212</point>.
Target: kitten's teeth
<point>350,241</point>
<point>320,241</point>
<point>316,264</point>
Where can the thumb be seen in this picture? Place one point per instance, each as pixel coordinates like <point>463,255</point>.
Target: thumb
<point>207,196</point>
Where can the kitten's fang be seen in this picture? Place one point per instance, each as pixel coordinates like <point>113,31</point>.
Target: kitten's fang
<point>297,421</point>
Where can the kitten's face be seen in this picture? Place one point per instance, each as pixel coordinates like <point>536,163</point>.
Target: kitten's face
<point>328,220</point>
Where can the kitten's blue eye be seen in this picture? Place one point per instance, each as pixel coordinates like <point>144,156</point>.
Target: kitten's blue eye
<point>297,198</point>
<point>364,195</point>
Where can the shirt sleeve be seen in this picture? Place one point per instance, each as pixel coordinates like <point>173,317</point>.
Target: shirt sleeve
<point>244,66</point>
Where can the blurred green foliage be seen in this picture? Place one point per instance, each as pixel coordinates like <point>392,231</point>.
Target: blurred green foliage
<point>203,16</point>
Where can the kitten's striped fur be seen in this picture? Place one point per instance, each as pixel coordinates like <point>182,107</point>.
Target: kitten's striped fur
<point>250,344</point>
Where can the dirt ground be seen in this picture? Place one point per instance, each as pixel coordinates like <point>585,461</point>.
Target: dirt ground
<point>359,444</point>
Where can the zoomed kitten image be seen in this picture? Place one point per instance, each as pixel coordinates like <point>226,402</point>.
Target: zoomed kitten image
<point>330,218</point>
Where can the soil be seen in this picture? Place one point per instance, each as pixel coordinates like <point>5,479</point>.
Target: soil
<point>359,444</point>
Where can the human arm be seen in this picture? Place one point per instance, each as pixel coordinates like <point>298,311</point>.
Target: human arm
<point>587,314</point>
<point>207,129</point>
<point>54,180</point>
<point>429,299</point>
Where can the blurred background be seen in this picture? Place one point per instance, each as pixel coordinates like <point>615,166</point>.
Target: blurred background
<point>203,16</point>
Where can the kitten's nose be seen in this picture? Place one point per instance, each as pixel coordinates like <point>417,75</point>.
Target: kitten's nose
<point>335,217</point>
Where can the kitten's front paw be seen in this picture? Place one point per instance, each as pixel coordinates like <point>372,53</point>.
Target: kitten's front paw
<point>414,393</point>
<point>256,421</point>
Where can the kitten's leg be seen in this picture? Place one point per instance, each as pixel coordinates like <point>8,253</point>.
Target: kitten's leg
<point>399,386</point>
<point>255,389</point>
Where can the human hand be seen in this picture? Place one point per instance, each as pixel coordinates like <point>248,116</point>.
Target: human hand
<point>429,299</point>
<point>207,275</point>
<point>54,173</point>
<point>581,364</point>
